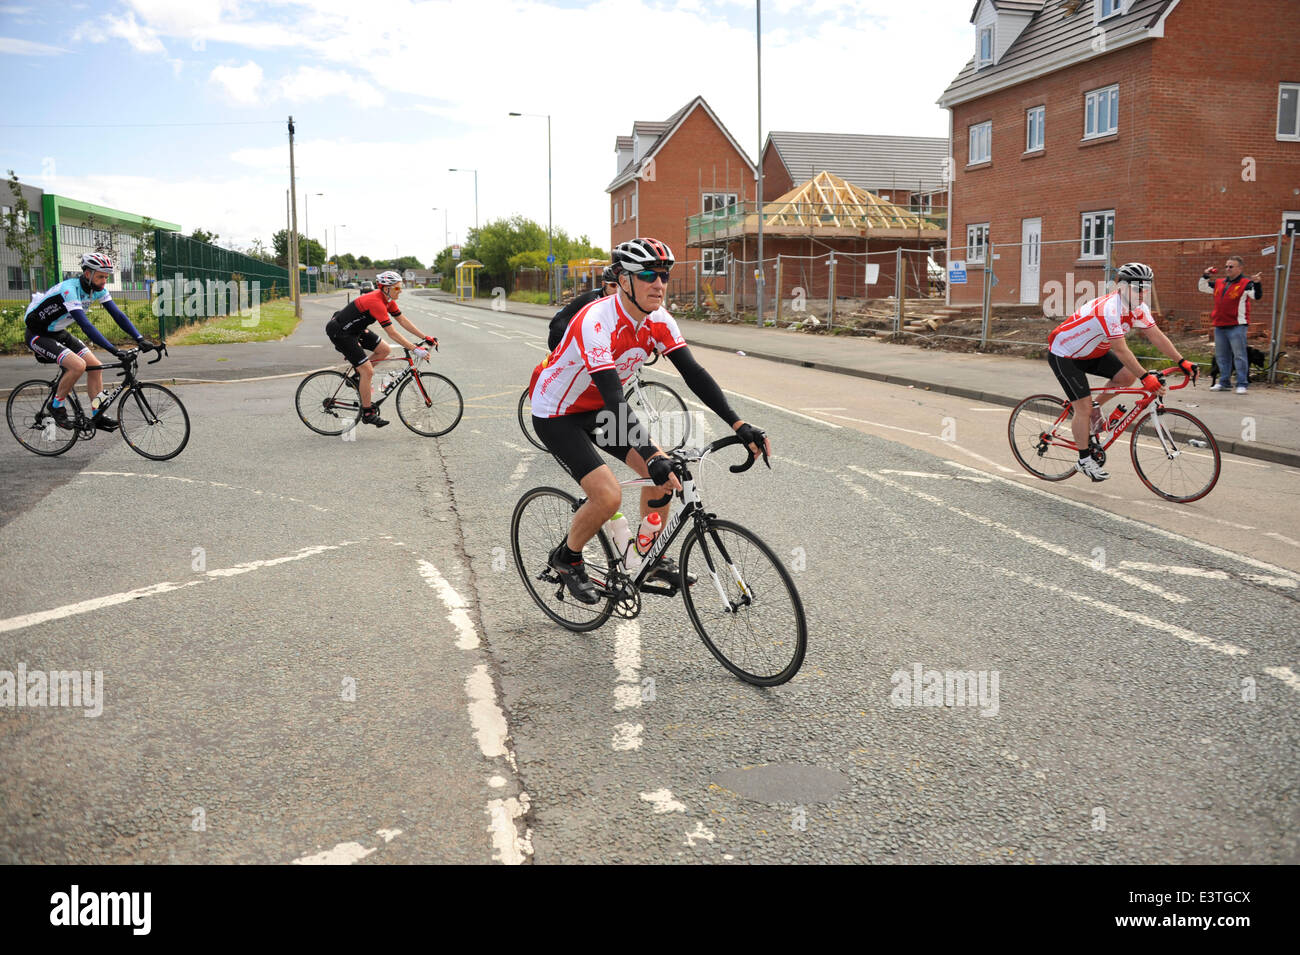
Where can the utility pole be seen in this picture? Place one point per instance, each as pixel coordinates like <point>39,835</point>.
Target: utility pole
<point>759,278</point>
<point>293,231</point>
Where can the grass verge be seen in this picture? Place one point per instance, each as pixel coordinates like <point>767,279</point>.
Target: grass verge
<point>273,321</point>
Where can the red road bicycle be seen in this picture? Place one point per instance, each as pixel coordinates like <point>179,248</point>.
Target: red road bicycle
<point>1173,452</point>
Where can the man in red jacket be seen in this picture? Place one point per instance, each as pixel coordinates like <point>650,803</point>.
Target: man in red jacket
<point>1231,316</point>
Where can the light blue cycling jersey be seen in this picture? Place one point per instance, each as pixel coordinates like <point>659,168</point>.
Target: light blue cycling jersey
<point>52,312</point>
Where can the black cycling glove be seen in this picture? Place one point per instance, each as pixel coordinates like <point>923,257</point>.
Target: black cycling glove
<point>661,469</point>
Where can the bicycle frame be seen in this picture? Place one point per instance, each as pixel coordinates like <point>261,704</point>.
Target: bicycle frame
<point>1141,408</point>
<point>128,376</point>
<point>396,383</point>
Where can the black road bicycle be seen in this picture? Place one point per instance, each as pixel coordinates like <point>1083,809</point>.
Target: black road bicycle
<point>658,407</point>
<point>429,404</point>
<point>744,606</point>
<point>151,418</point>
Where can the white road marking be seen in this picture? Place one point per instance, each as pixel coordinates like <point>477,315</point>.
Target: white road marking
<point>661,800</point>
<point>1270,581</point>
<point>493,324</point>
<point>469,325</point>
<point>627,736</point>
<point>1282,538</point>
<point>538,347</point>
<point>978,457</point>
<point>388,835</point>
<point>520,470</point>
<point>1227,649</point>
<point>700,833</point>
<point>485,715</point>
<point>940,477</point>
<point>1180,571</point>
<point>1048,546</point>
<point>99,603</point>
<point>981,408</point>
<point>457,608</point>
<point>499,335</point>
<point>825,424</point>
<point>1286,675</point>
<point>511,847</point>
<point>345,853</point>
<point>1145,527</point>
<point>878,424</point>
<point>184,480</point>
<point>823,409</point>
<point>1195,516</point>
<point>627,661</point>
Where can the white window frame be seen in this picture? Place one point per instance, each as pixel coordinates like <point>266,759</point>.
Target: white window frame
<point>717,202</point>
<point>1291,217</point>
<point>1092,245</point>
<point>975,131</point>
<point>713,261</point>
<point>923,203</point>
<point>624,208</point>
<point>634,205</point>
<point>1092,101</point>
<point>1035,121</point>
<point>1110,8</point>
<point>1294,135</point>
<point>977,242</point>
<point>980,58</point>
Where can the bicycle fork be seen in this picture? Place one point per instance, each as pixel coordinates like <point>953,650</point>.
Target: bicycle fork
<point>728,605</point>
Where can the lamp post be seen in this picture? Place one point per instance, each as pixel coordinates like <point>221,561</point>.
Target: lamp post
<point>475,172</point>
<point>307,209</point>
<point>446,240</point>
<point>550,255</point>
<point>336,238</point>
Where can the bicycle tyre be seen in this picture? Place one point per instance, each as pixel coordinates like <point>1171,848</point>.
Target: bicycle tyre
<point>153,421</point>
<point>540,521</point>
<point>788,645</point>
<point>26,413</point>
<point>663,412</point>
<point>1158,471</point>
<point>436,416</point>
<point>526,421</point>
<point>1029,421</point>
<point>328,403</point>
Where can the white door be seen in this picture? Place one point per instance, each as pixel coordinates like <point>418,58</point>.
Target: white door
<point>1031,236</point>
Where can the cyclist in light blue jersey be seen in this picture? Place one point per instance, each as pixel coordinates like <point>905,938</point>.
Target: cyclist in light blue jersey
<point>48,318</point>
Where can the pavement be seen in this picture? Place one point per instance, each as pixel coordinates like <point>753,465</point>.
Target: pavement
<point>1263,424</point>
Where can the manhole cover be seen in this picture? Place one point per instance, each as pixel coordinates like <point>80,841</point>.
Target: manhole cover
<point>784,782</point>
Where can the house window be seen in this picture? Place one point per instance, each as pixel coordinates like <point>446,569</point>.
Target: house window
<point>1034,124</point>
<point>713,261</point>
<point>1097,228</point>
<point>613,215</point>
<point>977,240</point>
<point>1108,8</point>
<point>1291,223</point>
<point>981,143</point>
<point>623,213</point>
<point>922,203</point>
<point>986,46</point>
<point>718,202</point>
<point>17,279</point>
<point>1101,112</point>
<point>1288,118</point>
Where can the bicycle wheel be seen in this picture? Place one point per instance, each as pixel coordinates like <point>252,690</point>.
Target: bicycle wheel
<point>435,411</point>
<point>328,402</point>
<point>1041,439</point>
<point>663,412</point>
<point>541,521</point>
<point>526,421</point>
<point>761,636</point>
<point>1184,467</point>
<point>153,421</point>
<point>28,413</point>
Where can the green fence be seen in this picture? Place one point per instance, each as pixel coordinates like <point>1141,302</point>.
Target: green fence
<point>197,281</point>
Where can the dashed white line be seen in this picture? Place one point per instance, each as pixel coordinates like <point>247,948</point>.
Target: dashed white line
<point>661,800</point>
<point>627,661</point>
<point>457,608</point>
<point>1286,675</point>
<point>824,424</point>
<point>627,736</point>
<point>1283,538</point>
<point>1179,571</point>
<point>939,477</point>
<point>345,853</point>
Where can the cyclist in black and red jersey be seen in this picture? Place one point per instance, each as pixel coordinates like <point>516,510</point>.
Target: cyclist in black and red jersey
<point>608,286</point>
<point>582,381</point>
<point>350,332</point>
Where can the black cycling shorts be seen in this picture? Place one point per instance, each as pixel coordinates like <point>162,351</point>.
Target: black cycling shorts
<point>1072,372</point>
<point>573,439</point>
<point>354,347</point>
<point>51,346</point>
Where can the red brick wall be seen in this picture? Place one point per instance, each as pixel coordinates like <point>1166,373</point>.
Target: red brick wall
<point>684,168</point>
<point>776,179</point>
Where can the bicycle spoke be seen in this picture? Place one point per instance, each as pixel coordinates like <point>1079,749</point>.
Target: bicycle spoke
<point>1176,457</point>
<point>1041,439</point>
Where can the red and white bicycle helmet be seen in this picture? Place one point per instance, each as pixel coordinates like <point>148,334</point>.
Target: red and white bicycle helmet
<point>97,261</point>
<point>643,253</point>
<point>388,278</point>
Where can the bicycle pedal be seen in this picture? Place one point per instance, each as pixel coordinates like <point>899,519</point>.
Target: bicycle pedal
<point>669,590</point>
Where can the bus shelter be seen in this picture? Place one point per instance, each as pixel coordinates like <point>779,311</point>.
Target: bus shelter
<point>465,279</point>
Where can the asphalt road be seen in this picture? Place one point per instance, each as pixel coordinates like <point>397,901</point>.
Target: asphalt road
<point>326,653</point>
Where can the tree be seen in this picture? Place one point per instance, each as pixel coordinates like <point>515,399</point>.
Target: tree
<point>364,262</point>
<point>259,251</point>
<point>305,245</point>
<point>497,241</point>
<point>146,255</point>
<point>347,261</point>
<point>35,247</point>
<point>202,236</point>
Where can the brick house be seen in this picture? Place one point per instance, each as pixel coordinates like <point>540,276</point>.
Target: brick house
<point>667,171</point>
<point>1078,122</point>
<point>905,170</point>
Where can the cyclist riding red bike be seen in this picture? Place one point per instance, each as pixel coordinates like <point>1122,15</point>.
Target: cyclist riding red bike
<point>1092,342</point>
<point>579,386</point>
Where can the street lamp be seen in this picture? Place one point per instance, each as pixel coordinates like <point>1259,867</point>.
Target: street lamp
<point>475,172</point>
<point>550,256</point>
<point>307,205</point>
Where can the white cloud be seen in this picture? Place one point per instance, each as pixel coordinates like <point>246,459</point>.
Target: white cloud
<point>12,46</point>
<point>241,83</point>
<point>312,83</point>
<point>141,38</point>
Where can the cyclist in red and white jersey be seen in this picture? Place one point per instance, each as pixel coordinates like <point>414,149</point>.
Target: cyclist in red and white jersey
<point>578,389</point>
<point>1092,342</point>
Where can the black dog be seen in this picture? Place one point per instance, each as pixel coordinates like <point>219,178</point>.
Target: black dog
<point>1253,355</point>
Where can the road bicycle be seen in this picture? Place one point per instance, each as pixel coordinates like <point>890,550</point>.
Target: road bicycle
<point>657,406</point>
<point>1173,452</point>
<point>744,606</point>
<point>152,420</point>
<point>329,402</point>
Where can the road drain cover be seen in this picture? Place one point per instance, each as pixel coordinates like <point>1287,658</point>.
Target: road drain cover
<point>784,782</point>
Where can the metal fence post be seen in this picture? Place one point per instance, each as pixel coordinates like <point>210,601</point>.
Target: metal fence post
<point>697,288</point>
<point>1286,282</point>
<point>900,288</point>
<point>1273,329</point>
<point>830,294</point>
<point>988,294</point>
<point>778,289</point>
<point>733,288</point>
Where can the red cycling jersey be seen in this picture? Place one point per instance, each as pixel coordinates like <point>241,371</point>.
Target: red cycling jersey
<point>1087,333</point>
<point>354,317</point>
<point>601,336</point>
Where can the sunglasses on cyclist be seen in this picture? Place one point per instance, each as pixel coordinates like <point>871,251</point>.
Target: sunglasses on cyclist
<point>649,275</point>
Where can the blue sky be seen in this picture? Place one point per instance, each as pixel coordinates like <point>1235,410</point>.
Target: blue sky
<point>388,94</point>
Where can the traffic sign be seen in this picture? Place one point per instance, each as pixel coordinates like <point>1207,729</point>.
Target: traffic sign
<point>550,260</point>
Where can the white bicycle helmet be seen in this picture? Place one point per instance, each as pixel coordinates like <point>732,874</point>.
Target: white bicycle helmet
<point>97,261</point>
<point>644,253</point>
<point>388,278</point>
<point>1135,273</point>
